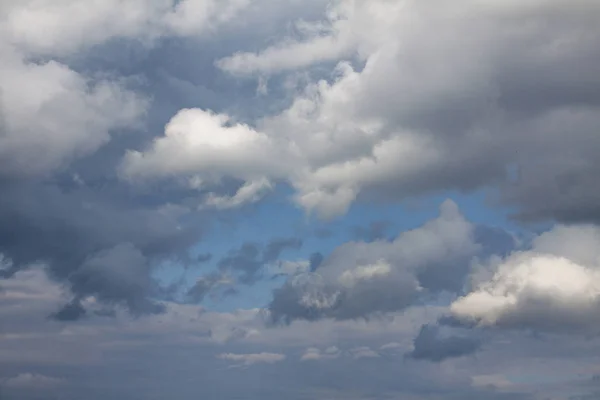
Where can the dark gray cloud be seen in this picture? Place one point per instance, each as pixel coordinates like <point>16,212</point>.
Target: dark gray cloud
<point>431,345</point>
<point>121,273</point>
<point>101,242</point>
<point>70,312</point>
<point>310,298</point>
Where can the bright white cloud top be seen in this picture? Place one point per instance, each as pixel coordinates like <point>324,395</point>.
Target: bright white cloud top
<point>554,286</point>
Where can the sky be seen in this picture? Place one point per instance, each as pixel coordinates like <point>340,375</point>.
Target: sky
<point>299,199</point>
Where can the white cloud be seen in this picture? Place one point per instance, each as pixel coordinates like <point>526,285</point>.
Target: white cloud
<point>208,147</point>
<point>250,192</point>
<point>363,352</point>
<point>440,108</point>
<point>32,381</point>
<point>350,27</point>
<point>432,109</point>
<point>44,26</point>
<point>391,346</point>
<point>555,286</point>
<point>251,359</point>
<point>198,141</point>
<point>315,354</point>
<point>62,27</point>
<point>363,273</point>
<point>51,115</point>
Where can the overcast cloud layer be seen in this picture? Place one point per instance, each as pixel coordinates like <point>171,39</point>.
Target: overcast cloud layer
<point>299,199</point>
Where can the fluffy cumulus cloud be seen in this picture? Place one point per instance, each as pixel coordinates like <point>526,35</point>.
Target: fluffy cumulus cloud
<point>409,110</point>
<point>51,115</point>
<point>554,286</point>
<point>186,181</point>
<point>200,141</point>
<point>359,279</point>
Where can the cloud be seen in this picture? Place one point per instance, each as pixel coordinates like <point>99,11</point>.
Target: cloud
<point>127,131</point>
<point>246,265</point>
<point>32,381</point>
<point>290,268</point>
<point>494,381</point>
<point>79,85</point>
<point>117,274</point>
<point>195,141</point>
<point>56,115</point>
<point>363,352</point>
<point>70,312</point>
<point>403,113</point>
<point>45,27</point>
<point>431,345</point>
<point>323,42</point>
<point>359,279</point>
<point>250,192</point>
<point>554,286</point>
<point>251,258</point>
<point>206,284</point>
<point>251,359</point>
<point>315,354</point>
<point>51,115</point>
<point>87,240</point>
<point>391,346</point>
<point>425,114</point>
<point>203,147</point>
<point>115,354</point>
